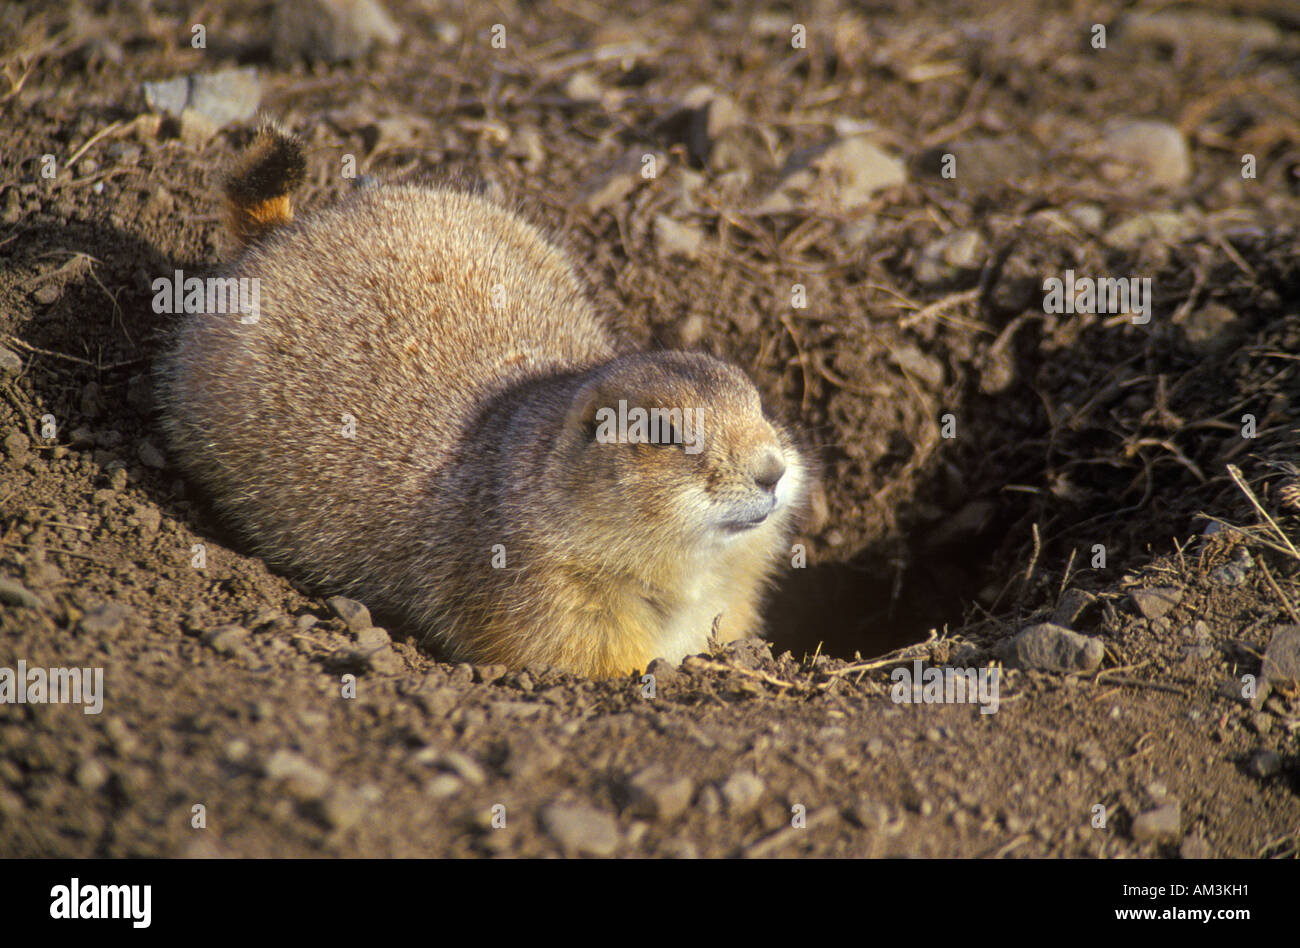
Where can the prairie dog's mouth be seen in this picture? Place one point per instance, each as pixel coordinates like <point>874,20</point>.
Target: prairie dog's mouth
<point>749,516</point>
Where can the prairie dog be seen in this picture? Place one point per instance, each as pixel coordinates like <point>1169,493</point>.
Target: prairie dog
<point>427,414</point>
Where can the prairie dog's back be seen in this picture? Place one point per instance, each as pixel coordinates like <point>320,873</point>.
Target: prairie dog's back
<point>404,308</point>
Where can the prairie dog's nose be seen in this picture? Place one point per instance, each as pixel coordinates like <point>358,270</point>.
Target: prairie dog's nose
<point>770,470</point>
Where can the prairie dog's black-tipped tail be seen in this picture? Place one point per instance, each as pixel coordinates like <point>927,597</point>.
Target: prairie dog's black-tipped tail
<point>258,186</point>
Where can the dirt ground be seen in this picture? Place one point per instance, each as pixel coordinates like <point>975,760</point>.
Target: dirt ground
<point>988,465</point>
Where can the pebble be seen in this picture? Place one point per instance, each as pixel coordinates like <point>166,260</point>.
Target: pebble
<point>329,30</point>
<point>1155,601</point>
<point>1282,657</point>
<point>1265,764</point>
<point>1211,329</point>
<point>442,786</point>
<point>352,612</point>
<point>1053,648</point>
<point>226,97</point>
<point>466,767</point>
<point>527,759</point>
<point>303,779</point>
<point>675,239</point>
<point>1164,822</point>
<point>664,671</point>
<point>150,456</point>
<point>226,639</point>
<point>47,294</point>
<point>837,178</point>
<point>947,258</point>
<point>581,829</point>
<point>11,363</point>
<point>105,619</point>
<point>742,791</point>
<point>1155,151</point>
<point>1072,605</point>
<point>1166,227</point>
<point>655,794</point>
<point>14,593</point>
<point>91,774</point>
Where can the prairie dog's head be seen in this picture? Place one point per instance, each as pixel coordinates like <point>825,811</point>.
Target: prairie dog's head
<point>674,448</point>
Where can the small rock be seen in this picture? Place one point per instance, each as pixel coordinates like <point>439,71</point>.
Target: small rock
<point>16,446</point>
<point>1072,605</point>
<point>1211,328</point>
<point>1053,648</point>
<point>47,294</point>
<point>949,257</point>
<point>487,674</point>
<point>226,639</point>
<point>582,86</point>
<point>1265,764</point>
<point>14,593</point>
<point>373,637</point>
<point>528,759</point>
<point>466,767</point>
<point>217,99</point>
<point>664,671</point>
<point>329,30</point>
<point>837,178</point>
<point>1155,151</point>
<point>616,183</point>
<point>581,829</point>
<point>654,794</point>
<point>1165,227</point>
<point>352,612</point>
<point>11,363</point>
<point>442,786</point>
<point>341,809</point>
<point>742,791</point>
<point>303,779</point>
<point>1282,657</point>
<point>150,456</point>
<point>1156,601</point>
<point>674,239</point>
<point>91,774</point>
<point>1162,823</point>
<point>1229,574</point>
<point>105,619</point>
<point>1194,846</point>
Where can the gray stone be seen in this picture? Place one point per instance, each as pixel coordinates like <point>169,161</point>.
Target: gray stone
<point>302,779</point>
<point>150,456</point>
<point>1282,657</point>
<point>1265,764</point>
<point>1154,151</point>
<point>1053,648</point>
<point>1162,823</point>
<point>1165,227</point>
<point>226,639</point>
<point>329,30</point>
<point>352,612</point>
<point>219,98</point>
<point>105,619</point>
<point>655,794</point>
<point>14,593</point>
<point>947,258</point>
<point>580,830</point>
<point>742,791</point>
<point>1072,605</point>
<point>836,178</point>
<point>11,363</point>
<point>674,239</point>
<point>1155,601</point>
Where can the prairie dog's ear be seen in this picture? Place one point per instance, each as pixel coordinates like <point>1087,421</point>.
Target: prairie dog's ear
<point>582,417</point>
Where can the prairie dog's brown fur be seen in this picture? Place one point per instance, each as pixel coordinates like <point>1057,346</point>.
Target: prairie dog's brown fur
<point>477,498</point>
